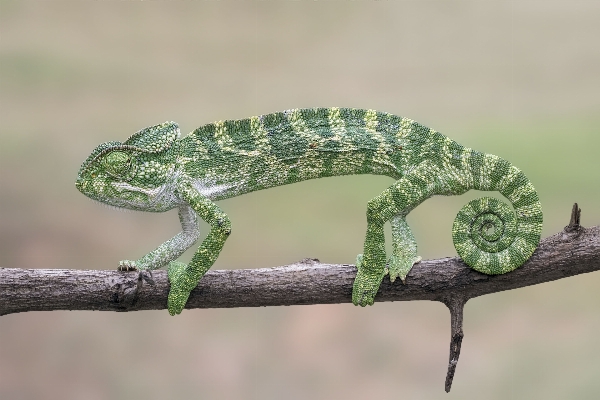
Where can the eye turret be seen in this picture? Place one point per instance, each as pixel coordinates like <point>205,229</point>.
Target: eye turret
<point>117,163</point>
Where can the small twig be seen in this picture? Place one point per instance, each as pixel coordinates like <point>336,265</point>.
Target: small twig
<point>456,305</point>
<point>575,219</point>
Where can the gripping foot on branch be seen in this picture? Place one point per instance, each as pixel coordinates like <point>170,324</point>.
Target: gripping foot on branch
<point>181,287</point>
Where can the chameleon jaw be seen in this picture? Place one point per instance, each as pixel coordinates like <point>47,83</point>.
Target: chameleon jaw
<point>161,198</point>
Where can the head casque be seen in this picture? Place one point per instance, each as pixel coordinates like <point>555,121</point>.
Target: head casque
<point>138,174</point>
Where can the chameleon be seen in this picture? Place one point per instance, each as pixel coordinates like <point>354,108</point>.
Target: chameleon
<point>155,170</point>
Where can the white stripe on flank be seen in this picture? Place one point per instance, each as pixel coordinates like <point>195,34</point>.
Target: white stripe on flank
<point>211,190</point>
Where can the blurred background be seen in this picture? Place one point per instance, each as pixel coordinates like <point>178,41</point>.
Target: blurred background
<point>519,79</point>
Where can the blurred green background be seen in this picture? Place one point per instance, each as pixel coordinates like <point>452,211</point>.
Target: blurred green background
<point>519,79</point>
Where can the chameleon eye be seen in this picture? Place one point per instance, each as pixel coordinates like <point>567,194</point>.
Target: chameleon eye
<point>117,163</point>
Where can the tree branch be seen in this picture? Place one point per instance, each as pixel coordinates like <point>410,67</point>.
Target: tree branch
<point>571,252</point>
<point>305,282</point>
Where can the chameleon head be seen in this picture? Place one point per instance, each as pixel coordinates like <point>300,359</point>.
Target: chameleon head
<point>137,174</point>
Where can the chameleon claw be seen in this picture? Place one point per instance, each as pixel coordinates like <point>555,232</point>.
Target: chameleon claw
<point>127,266</point>
<point>399,267</point>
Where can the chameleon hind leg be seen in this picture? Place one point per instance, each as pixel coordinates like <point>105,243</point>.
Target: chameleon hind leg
<point>404,256</point>
<point>392,205</point>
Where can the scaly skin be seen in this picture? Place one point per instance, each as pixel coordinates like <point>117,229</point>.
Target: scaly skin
<point>156,171</point>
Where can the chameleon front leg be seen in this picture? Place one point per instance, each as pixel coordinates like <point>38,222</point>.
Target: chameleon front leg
<point>172,248</point>
<point>393,204</point>
<point>184,278</point>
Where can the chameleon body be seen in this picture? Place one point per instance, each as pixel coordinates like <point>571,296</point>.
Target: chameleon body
<point>155,170</point>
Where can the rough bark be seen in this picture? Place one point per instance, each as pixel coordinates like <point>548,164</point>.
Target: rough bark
<point>576,250</point>
<point>305,282</point>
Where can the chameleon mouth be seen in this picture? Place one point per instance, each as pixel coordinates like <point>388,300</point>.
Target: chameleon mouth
<point>81,185</point>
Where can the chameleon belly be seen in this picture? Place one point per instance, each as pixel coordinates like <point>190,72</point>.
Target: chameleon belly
<point>154,170</point>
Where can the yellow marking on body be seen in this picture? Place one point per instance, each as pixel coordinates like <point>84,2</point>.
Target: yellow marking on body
<point>446,148</point>
<point>521,191</point>
<point>508,178</point>
<point>337,124</point>
<point>259,134</point>
<point>450,170</point>
<point>405,128</point>
<point>277,171</point>
<point>484,258</point>
<point>371,120</point>
<point>223,139</point>
<point>489,162</point>
<point>300,128</point>
<point>381,157</point>
<point>503,257</point>
<point>467,173</point>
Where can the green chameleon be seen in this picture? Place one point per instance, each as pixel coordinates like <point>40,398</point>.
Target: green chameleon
<point>156,171</point>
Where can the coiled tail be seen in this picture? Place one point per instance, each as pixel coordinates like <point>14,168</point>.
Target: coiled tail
<point>489,235</point>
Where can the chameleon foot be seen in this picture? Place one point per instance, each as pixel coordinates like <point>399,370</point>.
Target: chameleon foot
<point>179,292</point>
<point>127,265</point>
<point>404,249</point>
<point>400,266</point>
<point>366,284</point>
